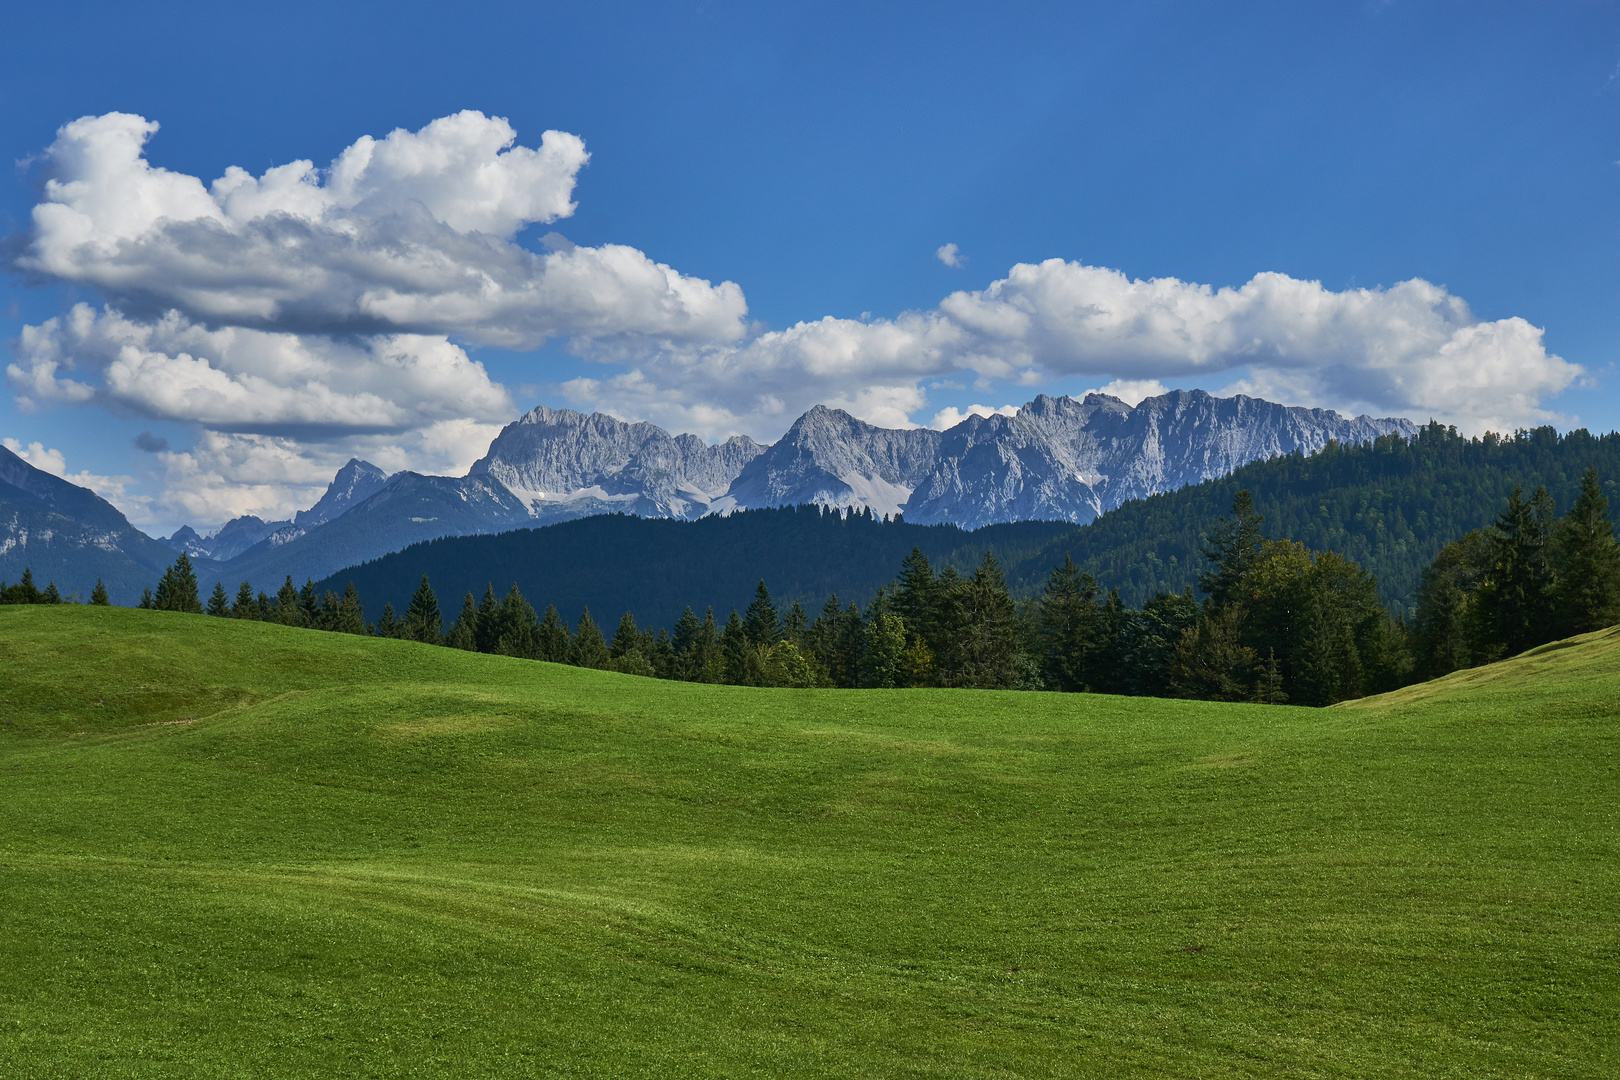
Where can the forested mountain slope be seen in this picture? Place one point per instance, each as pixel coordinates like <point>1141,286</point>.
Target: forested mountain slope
<point>655,567</point>
<point>1389,505</point>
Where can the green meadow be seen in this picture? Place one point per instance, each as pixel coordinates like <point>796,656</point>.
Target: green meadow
<point>233,849</point>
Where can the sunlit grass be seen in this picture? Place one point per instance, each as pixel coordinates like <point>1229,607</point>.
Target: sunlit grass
<point>234,849</point>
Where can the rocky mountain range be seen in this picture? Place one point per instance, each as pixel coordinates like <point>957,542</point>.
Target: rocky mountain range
<point>1056,459</point>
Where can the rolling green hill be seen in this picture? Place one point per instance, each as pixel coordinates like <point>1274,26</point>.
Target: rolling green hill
<point>234,849</point>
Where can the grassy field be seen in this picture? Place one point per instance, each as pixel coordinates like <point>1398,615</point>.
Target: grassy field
<point>239,850</point>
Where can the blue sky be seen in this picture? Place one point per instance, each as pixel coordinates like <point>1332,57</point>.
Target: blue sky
<point>817,157</point>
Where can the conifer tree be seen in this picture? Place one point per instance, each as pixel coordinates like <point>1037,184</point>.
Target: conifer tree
<point>1234,547</point>
<point>422,619</point>
<point>219,604</point>
<point>463,632</point>
<point>51,595</point>
<point>588,649</point>
<point>849,642</point>
<point>287,611</point>
<point>309,605</point>
<point>486,626</point>
<point>822,638</point>
<point>734,650</point>
<point>760,625</point>
<point>328,617</point>
<point>917,597</point>
<point>795,624</point>
<point>147,599</point>
<point>985,652</point>
<point>1070,629</point>
<point>351,616</point>
<point>25,590</point>
<point>684,646</point>
<point>177,589</point>
<point>709,662</point>
<point>1212,663</point>
<point>1448,631</point>
<point>1516,598</point>
<point>98,595</point>
<point>554,641</point>
<point>662,655</point>
<point>1588,558</point>
<point>517,628</point>
<point>387,625</point>
<point>244,606</point>
<point>626,637</point>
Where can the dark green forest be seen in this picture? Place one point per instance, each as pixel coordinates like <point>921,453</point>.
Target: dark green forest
<point>655,567</point>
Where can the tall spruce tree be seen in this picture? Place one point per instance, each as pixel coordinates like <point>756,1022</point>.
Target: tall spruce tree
<point>1070,628</point>
<point>177,590</point>
<point>422,619</point>
<point>98,595</point>
<point>1448,631</point>
<point>387,625</point>
<point>588,649</point>
<point>351,616</point>
<point>219,603</point>
<point>684,644</point>
<point>985,650</point>
<point>486,626</point>
<point>760,625</point>
<point>710,663</point>
<point>626,637</point>
<point>554,641</point>
<point>309,605</point>
<point>1588,560</point>
<point>1233,546</point>
<point>795,624</point>
<point>288,613</point>
<point>1517,597</point>
<point>463,633</point>
<point>517,628</point>
<point>735,649</point>
<point>244,607</point>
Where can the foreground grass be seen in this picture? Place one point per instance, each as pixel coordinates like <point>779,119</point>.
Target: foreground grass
<point>237,850</point>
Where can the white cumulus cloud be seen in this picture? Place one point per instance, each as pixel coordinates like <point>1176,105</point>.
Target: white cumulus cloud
<point>410,233</point>
<point>1412,349</point>
<point>951,256</point>
<point>244,380</point>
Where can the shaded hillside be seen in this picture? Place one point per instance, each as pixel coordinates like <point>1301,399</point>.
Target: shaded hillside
<point>655,567</point>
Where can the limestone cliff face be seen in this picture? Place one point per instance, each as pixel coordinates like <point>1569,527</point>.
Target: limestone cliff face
<point>554,457</point>
<point>1062,459</point>
<point>831,458</point>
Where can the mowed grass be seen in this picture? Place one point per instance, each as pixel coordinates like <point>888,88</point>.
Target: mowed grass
<point>239,850</point>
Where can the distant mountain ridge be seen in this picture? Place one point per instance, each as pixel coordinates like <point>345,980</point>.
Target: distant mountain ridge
<point>1056,459</point>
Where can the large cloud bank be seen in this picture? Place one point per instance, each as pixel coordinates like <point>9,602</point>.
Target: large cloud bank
<point>298,317</point>
<point>1413,350</point>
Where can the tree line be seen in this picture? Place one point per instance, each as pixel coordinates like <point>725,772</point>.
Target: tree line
<point>1276,622</point>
